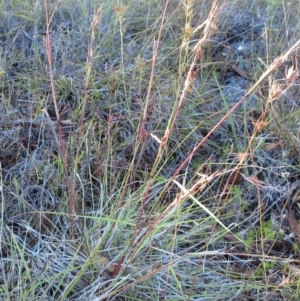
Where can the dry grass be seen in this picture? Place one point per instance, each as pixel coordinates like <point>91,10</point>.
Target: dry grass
<point>149,150</point>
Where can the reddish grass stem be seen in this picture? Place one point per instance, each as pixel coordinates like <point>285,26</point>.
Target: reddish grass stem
<point>61,145</point>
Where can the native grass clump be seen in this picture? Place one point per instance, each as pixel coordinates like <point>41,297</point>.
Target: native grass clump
<point>149,150</point>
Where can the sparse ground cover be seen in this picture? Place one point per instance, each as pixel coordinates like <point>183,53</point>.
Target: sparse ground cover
<point>149,150</point>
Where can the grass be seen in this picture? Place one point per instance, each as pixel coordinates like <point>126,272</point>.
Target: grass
<point>149,150</point>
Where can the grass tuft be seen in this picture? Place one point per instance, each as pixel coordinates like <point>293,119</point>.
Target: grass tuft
<point>149,150</point>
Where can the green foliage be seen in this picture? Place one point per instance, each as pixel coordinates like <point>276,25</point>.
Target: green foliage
<point>268,231</point>
<point>268,265</point>
<point>251,237</point>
